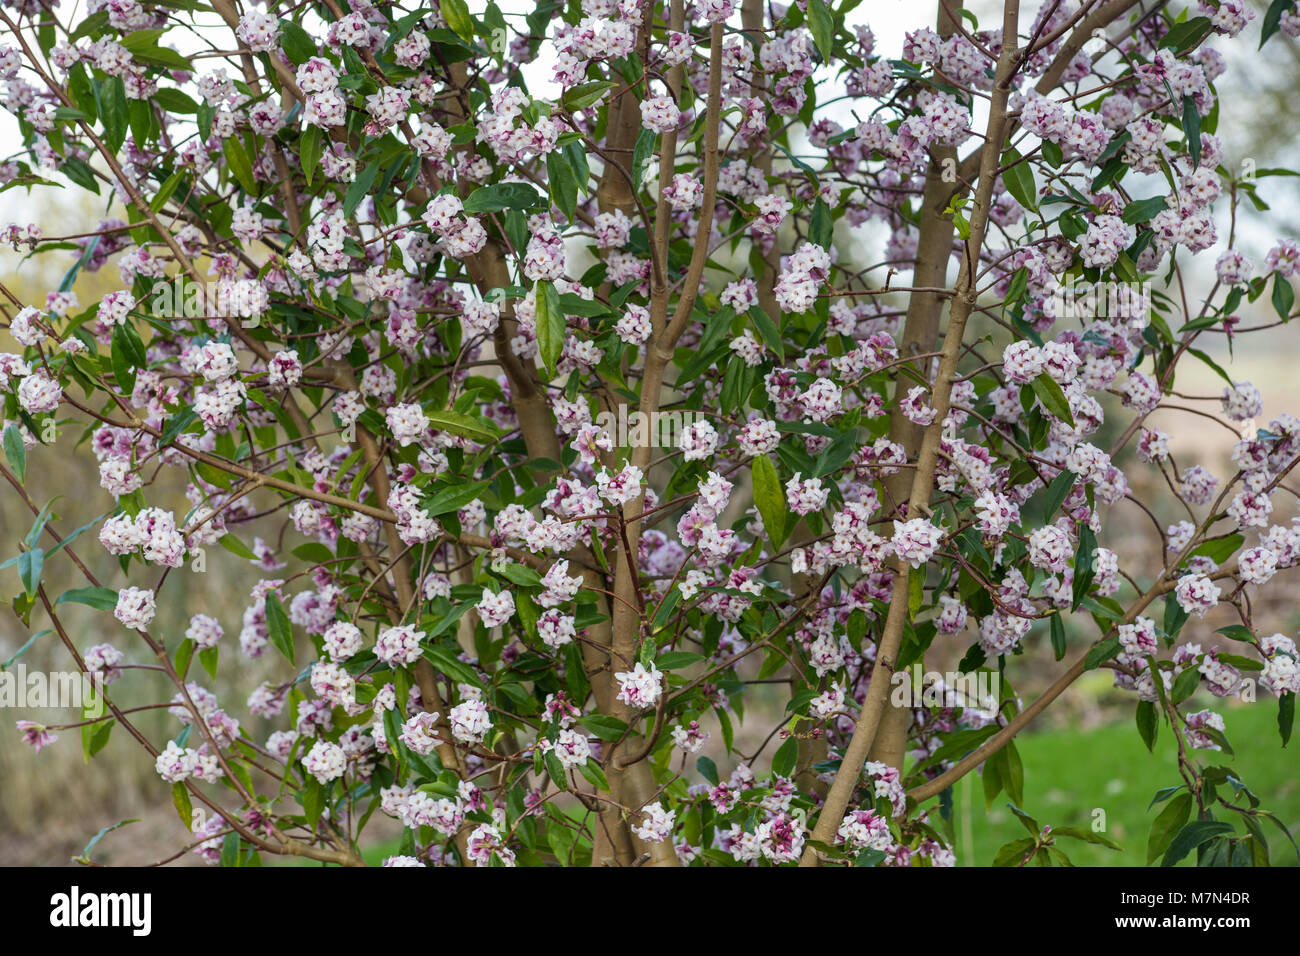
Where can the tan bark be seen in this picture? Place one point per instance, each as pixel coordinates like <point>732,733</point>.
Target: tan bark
<point>869,721</point>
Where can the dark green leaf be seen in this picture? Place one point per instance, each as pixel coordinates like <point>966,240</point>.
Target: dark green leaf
<point>1192,835</point>
<point>1053,398</point>
<point>16,451</point>
<point>550,325</point>
<point>770,498</point>
<point>278,627</point>
<point>1192,129</point>
<point>503,196</point>
<point>822,25</point>
<point>1019,179</point>
<point>1148,723</point>
<point>1283,296</point>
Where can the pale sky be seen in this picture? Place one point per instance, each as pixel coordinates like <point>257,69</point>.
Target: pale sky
<point>889,20</point>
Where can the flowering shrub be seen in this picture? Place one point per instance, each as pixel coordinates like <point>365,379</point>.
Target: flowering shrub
<point>379,302</point>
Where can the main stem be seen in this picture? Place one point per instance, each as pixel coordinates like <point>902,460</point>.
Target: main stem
<point>869,721</point>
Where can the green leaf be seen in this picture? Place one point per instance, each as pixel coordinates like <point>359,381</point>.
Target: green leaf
<point>1185,685</point>
<point>358,188</point>
<point>278,626</point>
<point>208,658</point>
<point>1192,835</point>
<point>1175,617</point>
<point>1273,18</point>
<point>1102,653</point>
<point>1083,572</point>
<point>666,608</point>
<point>591,770</point>
<point>556,770</point>
<point>1028,822</point>
<point>784,759</point>
<point>1218,370</point>
<point>84,859</point>
<point>1143,209</point>
<point>24,649</point>
<point>1057,492</point>
<point>1019,179</point>
<point>1148,723</point>
<point>644,149</point>
<point>550,325</point>
<point>456,13</point>
<point>310,148</point>
<point>445,661</point>
<point>770,498</point>
<point>464,426</point>
<point>230,856</point>
<point>16,452</point>
<point>123,368</point>
<point>1192,129</point>
<point>1220,549</point>
<point>1285,716</point>
<point>132,345</point>
<point>1237,632</point>
<point>992,779</point>
<point>1053,398</point>
<point>503,196</point>
<point>768,331</point>
<point>313,551</point>
<point>1182,37</point>
<point>102,599</point>
<point>184,807</point>
<point>1012,853</point>
<point>184,653</point>
<point>30,565</point>
<point>708,769</point>
<point>312,796</point>
<point>113,111</point>
<point>1013,772</point>
<point>177,424</point>
<point>296,42</point>
<point>603,727</point>
<point>175,101</point>
<point>821,229</point>
<point>454,498</point>
<point>77,170</point>
<point>165,190</point>
<point>676,660</point>
<point>822,25</point>
<point>522,575</point>
<point>563,183</point>
<point>241,167</point>
<point>143,45</point>
<point>236,547</point>
<point>1058,636</point>
<point>94,738</point>
<point>1087,836</point>
<point>586,94</point>
<point>1283,296</point>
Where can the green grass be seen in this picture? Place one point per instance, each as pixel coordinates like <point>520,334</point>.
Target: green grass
<point>1071,774</point>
